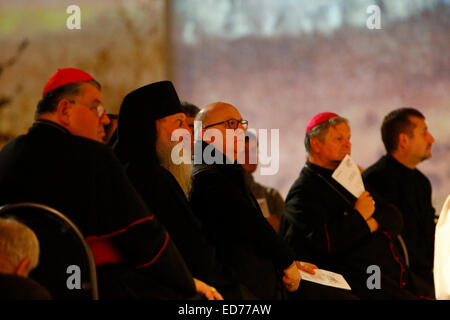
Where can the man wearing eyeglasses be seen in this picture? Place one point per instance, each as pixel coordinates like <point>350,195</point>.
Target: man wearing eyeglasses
<point>234,224</point>
<point>62,163</point>
<point>76,106</point>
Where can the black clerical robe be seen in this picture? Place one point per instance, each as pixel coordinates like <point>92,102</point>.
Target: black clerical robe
<point>323,227</point>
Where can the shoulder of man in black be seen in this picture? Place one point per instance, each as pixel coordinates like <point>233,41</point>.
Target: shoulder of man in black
<point>219,196</point>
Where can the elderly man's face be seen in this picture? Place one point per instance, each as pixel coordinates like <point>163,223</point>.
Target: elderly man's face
<point>336,144</point>
<point>87,116</point>
<point>221,113</point>
<point>166,126</point>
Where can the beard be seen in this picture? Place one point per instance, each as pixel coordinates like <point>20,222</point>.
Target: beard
<point>181,172</point>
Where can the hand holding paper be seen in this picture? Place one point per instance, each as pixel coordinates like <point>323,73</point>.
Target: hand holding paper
<point>349,176</point>
<point>365,205</point>
<point>326,278</point>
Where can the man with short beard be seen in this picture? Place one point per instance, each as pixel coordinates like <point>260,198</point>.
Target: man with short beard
<point>395,177</point>
<point>148,117</point>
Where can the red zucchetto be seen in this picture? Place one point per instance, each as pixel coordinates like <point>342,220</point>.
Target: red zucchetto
<point>318,119</point>
<point>65,76</point>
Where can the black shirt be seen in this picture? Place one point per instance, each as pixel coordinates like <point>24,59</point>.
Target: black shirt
<point>410,191</point>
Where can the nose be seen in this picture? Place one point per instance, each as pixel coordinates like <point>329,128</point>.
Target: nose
<point>348,143</point>
<point>430,138</point>
<point>104,119</point>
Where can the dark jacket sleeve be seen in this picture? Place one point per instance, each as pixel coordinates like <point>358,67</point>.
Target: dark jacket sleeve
<point>327,227</point>
<point>387,215</point>
<point>233,212</point>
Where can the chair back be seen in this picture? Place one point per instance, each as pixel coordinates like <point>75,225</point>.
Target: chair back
<point>66,264</point>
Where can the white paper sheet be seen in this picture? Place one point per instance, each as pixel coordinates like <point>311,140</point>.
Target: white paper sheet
<point>349,176</point>
<point>326,278</point>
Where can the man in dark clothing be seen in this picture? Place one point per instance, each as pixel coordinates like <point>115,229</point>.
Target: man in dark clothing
<point>148,117</point>
<point>58,164</point>
<point>396,178</point>
<point>327,225</point>
<point>233,221</point>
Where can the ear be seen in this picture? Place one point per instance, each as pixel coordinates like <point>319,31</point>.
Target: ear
<point>403,141</point>
<point>22,269</point>
<point>63,112</point>
<point>316,145</point>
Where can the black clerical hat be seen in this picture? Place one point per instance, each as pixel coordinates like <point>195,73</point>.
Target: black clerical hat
<point>157,100</point>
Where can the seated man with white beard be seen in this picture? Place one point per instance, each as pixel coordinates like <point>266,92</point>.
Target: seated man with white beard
<point>148,116</point>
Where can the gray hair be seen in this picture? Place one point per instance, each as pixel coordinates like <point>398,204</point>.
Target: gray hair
<point>18,242</point>
<point>321,130</point>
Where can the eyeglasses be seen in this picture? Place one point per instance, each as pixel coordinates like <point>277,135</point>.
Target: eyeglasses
<point>232,123</point>
<point>99,110</point>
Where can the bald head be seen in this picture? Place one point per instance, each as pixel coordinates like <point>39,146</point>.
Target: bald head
<point>217,112</point>
<point>223,119</point>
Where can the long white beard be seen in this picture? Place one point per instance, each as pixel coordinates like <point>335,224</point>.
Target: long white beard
<point>181,172</point>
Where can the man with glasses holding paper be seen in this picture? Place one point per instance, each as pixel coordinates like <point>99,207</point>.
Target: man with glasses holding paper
<point>337,230</point>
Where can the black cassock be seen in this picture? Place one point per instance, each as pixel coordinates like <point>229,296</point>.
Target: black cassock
<point>322,226</point>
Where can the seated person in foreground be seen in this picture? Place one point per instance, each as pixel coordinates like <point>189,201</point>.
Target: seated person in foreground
<point>19,254</point>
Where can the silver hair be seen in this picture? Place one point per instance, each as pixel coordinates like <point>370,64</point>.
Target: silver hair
<point>321,130</point>
<point>18,242</point>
